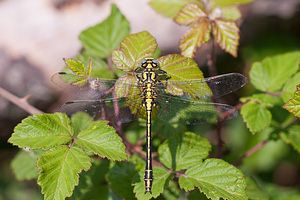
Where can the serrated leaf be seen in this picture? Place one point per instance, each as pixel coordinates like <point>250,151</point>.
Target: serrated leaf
<point>292,137</point>
<point>182,153</point>
<point>169,8</point>
<point>226,34</point>
<point>102,38</point>
<point>253,191</point>
<point>293,105</point>
<point>99,138</point>
<point>60,167</point>
<point>43,131</point>
<point>24,165</point>
<point>99,66</point>
<point>133,49</point>
<point>122,173</point>
<point>189,14</point>
<point>222,3</point>
<point>161,177</point>
<point>182,68</point>
<point>77,67</point>
<point>195,37</point>
<point>216,179</point>
<point>289,87</point>
<point>256,116</point>
<point>270,74</point>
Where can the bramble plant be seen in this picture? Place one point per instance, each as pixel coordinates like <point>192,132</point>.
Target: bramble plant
<point>108,158</point>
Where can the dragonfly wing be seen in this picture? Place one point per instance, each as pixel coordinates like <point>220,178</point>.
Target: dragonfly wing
<point>216,86</point>
<point>174,109</point>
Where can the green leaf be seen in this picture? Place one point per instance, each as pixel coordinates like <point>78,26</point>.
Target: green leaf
<point>122,173</point>
<point>264,99</point>
<point>99,138</point>
<point>222,3</point>
<point>256,116</point>
<point>60,167</point>
<point>80,121</point>
<point>231,13</point>
<point>216,179</point>
<point>189,14</point>
<point>293,105</point>
<point>292,137</point>
<point>161,178</point>
<point>102,38</point>
<point>77,67</point>
<point>289,87</point>
<point>91,183</point>
<point>270,74</point>
<point>24,165</point>
<point>99,66</point>
<point>183,153</point>
<point>226,34</point>
<point>253,191</point>
<point>195,37</point>
<point>169,8</point>
<point>133,49</point>
<point>182,68</point>
<point>43,131</point>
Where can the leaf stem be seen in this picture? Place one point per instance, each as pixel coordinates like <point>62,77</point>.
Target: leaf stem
<point>21,102</point>
<point>251,151</point>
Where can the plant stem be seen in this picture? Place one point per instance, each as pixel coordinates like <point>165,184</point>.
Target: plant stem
<point>21,102</point>
<point>251,151</point>
<point>211,62</point>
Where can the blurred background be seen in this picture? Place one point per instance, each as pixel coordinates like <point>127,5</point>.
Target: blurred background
<point>35,35</point>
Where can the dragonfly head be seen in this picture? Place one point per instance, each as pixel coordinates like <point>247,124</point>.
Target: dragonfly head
<point>149,63</point>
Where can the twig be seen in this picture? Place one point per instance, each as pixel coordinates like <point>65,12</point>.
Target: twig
<point>251,151</point>
<point>21,102</point>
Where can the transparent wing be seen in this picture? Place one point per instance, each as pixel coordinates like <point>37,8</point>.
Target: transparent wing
<point>190,103</point>
<point>174,109</point>
<point>215,87</point>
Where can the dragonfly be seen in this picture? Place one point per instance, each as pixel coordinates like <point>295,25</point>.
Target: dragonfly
<point>153,92</point>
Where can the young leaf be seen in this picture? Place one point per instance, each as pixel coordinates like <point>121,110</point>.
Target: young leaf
<point>195,37</point>
<point>183,153</point>
<point>193,15</point>
<point>253,191</point>
<point>161,178</point>
<point>60,167</point>
<point>169,8</point>
<point>293,105</point>
<point>24,165</point>
<point>292,137</point>
<point>99,68</point>
<point>122,173</point>
<point>99,138</point>
<point>77,67</point>
<point>270,74</point>
<point>226,34</point>
<point>182,68</point>
<point>189,14</point>
<point>256,116</point>
<point>216,179</point>
<point>43,131</point>
<point>133,49</point>
<point>101,39</point>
